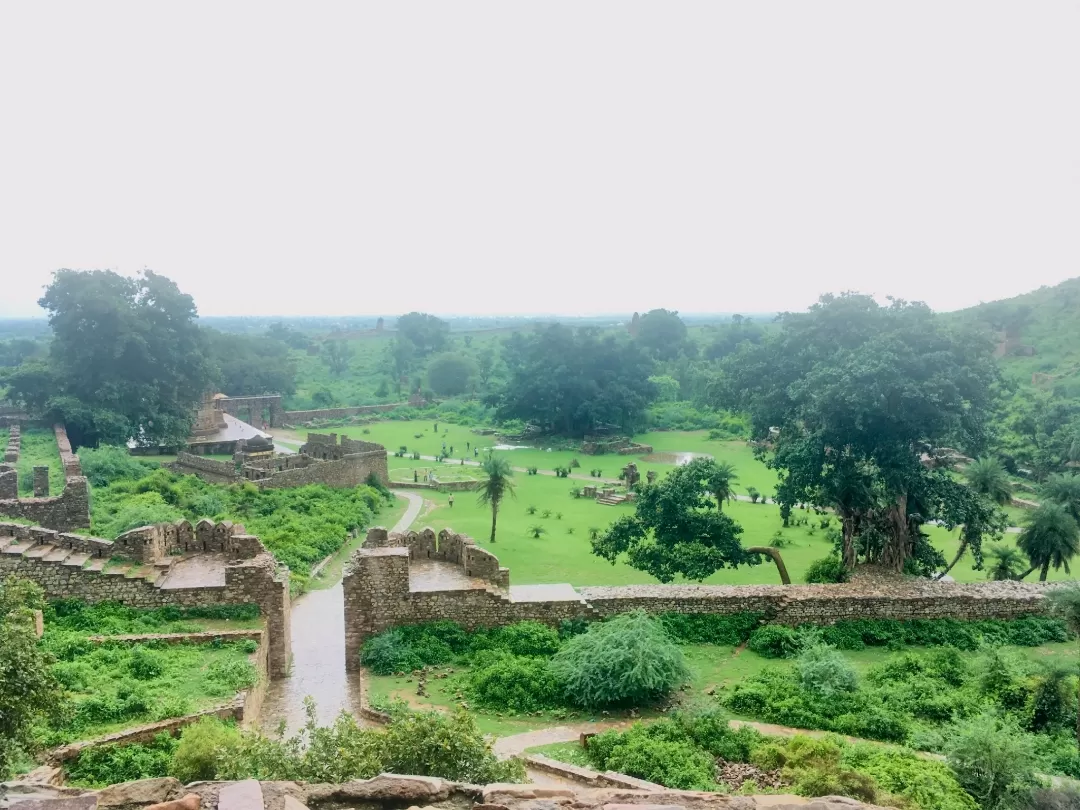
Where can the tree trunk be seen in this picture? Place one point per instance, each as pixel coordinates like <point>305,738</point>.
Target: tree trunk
<point>494,516</point>
<point>774,555</point>
<point>848,551</point>
<point>1027,573</point>
<point>898,548</point>
<point>1045,571</point>
<point>959,554</point>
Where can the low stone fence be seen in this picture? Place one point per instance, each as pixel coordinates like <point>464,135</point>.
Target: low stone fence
<point>304,417</point>
<point>347,470</point>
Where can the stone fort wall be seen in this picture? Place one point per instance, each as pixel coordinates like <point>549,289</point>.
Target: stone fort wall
<point>322,460</point>
<point>254,408</point>
<point>64,512</point>
<point>378,596</point>
<point>251,574</point>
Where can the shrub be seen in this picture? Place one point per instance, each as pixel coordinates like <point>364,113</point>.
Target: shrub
<point>660,753</point>
<point>198,755</point>
<point>826,570</point>
<point>528,638</point>
<point>388,653</point>
<point>815,769</point>
<point>530,510</point>
<point>144,664</point>
<point>775,641</point>
<point>711,730</point>
<point>628,661</point>
<point>500,681</point>
<point>824,672</point>
<point>232,675</point>
<point>536,530</point>
<point>105,464</point>
<point>110,764</point>
<point>729,630</point>
<point>903,773</point>
<point>994,761</point>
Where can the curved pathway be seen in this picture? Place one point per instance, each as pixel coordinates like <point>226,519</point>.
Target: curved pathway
<point>318,653</point>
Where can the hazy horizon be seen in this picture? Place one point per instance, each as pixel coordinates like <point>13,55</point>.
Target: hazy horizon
<point>560,158</point>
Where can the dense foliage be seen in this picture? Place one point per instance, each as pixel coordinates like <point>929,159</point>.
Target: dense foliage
<point>300,525</point>
<point>569,382</point>
<point>857,391</point>
<point>29,690</point>
<point>127,359</point>
<point>678,527</point>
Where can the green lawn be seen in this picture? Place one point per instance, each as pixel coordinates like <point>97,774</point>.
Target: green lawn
<point>39,449</point>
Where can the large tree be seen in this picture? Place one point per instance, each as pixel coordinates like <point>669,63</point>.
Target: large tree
<point>497,483</point>
<point>425,332</point>
<point>846,398</point>
<point>677,528</point>
<point>127,359</point>
<point>450,374</point>
<point>249,365</point>
<point>662,332</point>
<point>1050,539</point>
<point>570,382</point>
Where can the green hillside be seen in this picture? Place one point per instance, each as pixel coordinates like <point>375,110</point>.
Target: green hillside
<point>1038,338</point>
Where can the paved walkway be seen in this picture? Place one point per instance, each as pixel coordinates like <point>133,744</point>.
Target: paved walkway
<point>318,653</point>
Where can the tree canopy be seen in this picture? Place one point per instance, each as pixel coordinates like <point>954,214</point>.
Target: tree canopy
<point>126,360</point>
<point>249,365</point>
<point>846,398</point>
<point>678,528</point>
<point>425,332</point>
<point>662,333</point>
<point>570,382</point>
<point>450,374</point>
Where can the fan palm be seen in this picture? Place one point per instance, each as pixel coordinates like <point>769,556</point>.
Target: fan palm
<point>1064,489</point>
<point>1006,562</point>
<point>1051,537</point>
<point>988,477</point>
<point>496,485</point>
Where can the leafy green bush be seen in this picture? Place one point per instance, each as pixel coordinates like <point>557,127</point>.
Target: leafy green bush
<point>113,618</point>
<point>660,752</point>
<point>628,661</point>
<point>995,761</point>
<point>826,570</point>
<point>824,672</point>
<point>814,767</point>
<point>899,772</point>
<point>105,464</point>
<point>110,764</point>
<point>197,757</point>
<point>389,653</point>
<point>729,630</point>
<point>500,681</point>
<point>145,664</point>
<point>776,641</point>
<point>525,638</point>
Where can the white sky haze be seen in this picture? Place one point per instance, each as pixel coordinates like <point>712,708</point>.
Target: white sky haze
<point>563,157</point>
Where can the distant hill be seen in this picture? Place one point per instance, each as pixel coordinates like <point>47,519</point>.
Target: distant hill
<point>1038,336</point>
<point>1038,342</point>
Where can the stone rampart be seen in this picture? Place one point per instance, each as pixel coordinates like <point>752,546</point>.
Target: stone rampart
<point>64,512</point>
<point>251,574</point>
<point>303,417</point>
<point>344,465</point>
<point>208,469</point>
<point>254,407</point>
<point>379,594</point>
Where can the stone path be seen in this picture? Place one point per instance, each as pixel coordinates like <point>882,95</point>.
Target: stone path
<point>318,653</point>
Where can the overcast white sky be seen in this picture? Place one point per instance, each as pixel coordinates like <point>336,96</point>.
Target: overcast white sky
<point>495,157</point>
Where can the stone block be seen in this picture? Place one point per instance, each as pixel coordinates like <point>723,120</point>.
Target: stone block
<point>246,795</point>
<point>89,802</point>
<point>141,792</point>
<point>189,802</point>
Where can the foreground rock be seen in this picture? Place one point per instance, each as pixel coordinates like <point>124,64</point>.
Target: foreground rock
<point>387,792</point>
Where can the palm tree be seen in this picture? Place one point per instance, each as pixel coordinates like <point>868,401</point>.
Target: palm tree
<point>1064,489</point>
<point>722,482</point>
<point>988,477</point>
<point>1006,562</point>
<point>495,486</point>
<point>1050,538</point>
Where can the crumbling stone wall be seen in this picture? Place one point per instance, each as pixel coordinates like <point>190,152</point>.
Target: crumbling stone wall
<point>14,444</point>
<point>378,595</point>
<point>64,512</point>
<point>208,469</point>
<point>255,406</point>
<point>251,577</point>
<point>303,417</point>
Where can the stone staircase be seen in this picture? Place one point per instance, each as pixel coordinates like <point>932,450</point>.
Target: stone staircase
<point>612,499</point>
<point>46,553</point>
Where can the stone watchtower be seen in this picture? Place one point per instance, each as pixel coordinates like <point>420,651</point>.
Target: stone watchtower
<point>209,419</point>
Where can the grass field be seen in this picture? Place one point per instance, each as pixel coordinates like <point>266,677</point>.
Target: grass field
<point>39,449</point>
<point>562,553</point>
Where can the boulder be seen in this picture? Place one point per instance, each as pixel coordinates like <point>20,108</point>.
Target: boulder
<point>140,793</point>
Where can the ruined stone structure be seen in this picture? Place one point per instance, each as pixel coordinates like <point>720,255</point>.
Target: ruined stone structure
<point>64,512</point>
<point>599,445</point>
<point>14,444</point>
<point>270,410</point>
<point>393,792</point>
<point>401,579</point>
<point>321,460</point>
<point>157,566</point>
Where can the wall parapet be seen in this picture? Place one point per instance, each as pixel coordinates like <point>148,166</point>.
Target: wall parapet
<point>64,512</point>
<point>380,594</point>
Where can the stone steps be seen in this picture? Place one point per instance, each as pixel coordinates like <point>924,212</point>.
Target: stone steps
<point>38,552</point>
<point>118,570</point>
<point>96,564</point>
<point>77,559</point>
<point>57,555</point>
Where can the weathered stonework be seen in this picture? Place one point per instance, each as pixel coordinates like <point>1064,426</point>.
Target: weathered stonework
<point>278,417</point>
<point>64,512</point>
<point>322,460</point>
<point>380,593</point>
<point>149,567</point>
